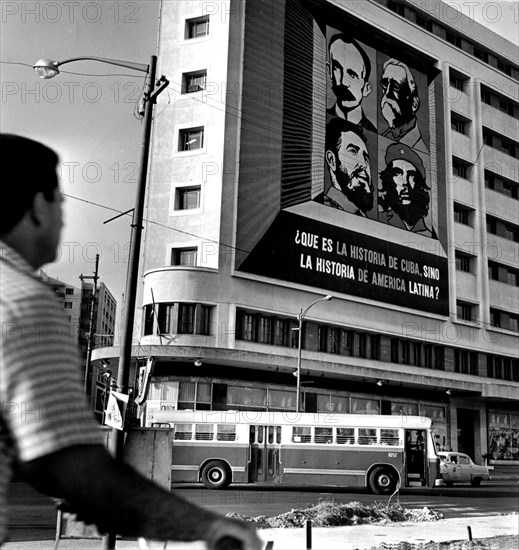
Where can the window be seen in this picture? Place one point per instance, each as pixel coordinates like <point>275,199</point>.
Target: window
<point>463,262</point>
<point>389,437</point>
<point>226,432</point>
<point>511,232</point>
<point>460,169</point>
<point>149,318</point>
<point>504,67</point>
<point>464,311</point>
<point>454,40</point>
<point>486,97</point>
<point>323,435</point>
<point>67,305</point>
<point>439,358</point>
<point>461,215</point>
<point>514,323</point>
<point>406,352</point>
<point>458,125</point>
<point>194,395</point>
<point>417,353</point>
<point>397,8</point>
<point>493,271</point>
<point>281,332</point>
<point>363,345</point>
<point>248,327</point>
<point>367,436</point>
<point>509,147</point>
<point>204,432</point>
<point>424,23</point>
<point>184,256</point>
<point>481,55</point>
<point>495,317</point>
<point>301,434</point>
<point>187,198</point>
<point>190,139</point>
<point>510,190</point>
<point>265,330</point>
<point>346,436</point>
<point>194,82</point>
<point>457,82</point>
<point>69,291</point>
<point>197,27</point>
<point>506,107</point>
<point>374,347</point>
<point>512,277</point>
<point>465,362</point>
<point>183,432</point>
<point>186,318</point>
<point>395,350</point>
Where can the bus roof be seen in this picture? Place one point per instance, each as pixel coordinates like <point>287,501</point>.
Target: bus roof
<point>291,417</point>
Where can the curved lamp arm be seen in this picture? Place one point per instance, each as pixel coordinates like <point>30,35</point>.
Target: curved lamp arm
<point>46,68</point>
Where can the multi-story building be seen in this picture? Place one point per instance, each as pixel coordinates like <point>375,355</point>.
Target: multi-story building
<point>362,150</point>
<point>70,298</point>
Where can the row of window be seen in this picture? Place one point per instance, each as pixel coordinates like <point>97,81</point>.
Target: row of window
<point>205,432</point>
<point>345,436</point>
<point>465,215</point>
<point>457,40</point>
<point>266,329</point>
<point>177,318</point>
<point>501,185</point>
<point>496,271</point>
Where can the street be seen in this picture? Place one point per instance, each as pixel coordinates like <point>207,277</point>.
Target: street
<point>33,516</point>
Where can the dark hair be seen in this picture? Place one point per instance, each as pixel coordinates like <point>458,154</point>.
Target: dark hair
<point>338,126</point>
<point>343,37</point>
<point>388,199</point>
<point>29,168</point>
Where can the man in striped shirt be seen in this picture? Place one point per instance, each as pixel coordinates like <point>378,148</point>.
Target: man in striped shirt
<point>46,430</point>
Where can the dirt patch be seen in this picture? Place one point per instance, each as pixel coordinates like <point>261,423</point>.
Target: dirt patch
<point>328,513</point>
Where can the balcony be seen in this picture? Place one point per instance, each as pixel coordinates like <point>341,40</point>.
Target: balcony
<point>501,206</point>
<point>504,296</point>
<point>463,191</point>
<point>500,163</point>
<point>459,101</point>
<point>461,145</point>
<point>499,121</point>
<point>466,286</point>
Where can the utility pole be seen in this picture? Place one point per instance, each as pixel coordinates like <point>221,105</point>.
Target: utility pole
<point>91,328</point>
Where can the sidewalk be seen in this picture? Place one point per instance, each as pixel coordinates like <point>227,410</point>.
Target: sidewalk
<point>358,537</point>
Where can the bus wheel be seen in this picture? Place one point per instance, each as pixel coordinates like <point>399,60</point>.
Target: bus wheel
<point>382,481</point>
<point>215,475</point>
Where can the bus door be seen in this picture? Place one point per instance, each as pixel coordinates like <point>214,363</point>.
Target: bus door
<point>265,454</point>
<point>416,457</point>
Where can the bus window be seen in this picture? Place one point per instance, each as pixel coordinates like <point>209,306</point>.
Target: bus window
<point>278,435</point>
<point>323,435</point>
<point>183,431</point>
<point>204,432</point>
<point>346,436</point>
<point>226,432</point>
<point>271,434</point>
<point>389,437</point>
<point>367,436</point>
<point>260,434</point>
<point>301,434</point>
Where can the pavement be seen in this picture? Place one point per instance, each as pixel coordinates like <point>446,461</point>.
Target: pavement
<point>357,537</point>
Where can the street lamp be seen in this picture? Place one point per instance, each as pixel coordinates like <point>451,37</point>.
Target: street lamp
<point>300,317</point>
<point>46,68</point>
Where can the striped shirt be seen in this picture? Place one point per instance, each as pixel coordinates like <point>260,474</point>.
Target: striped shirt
<point>43,407</point>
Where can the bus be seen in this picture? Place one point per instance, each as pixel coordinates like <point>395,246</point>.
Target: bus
<point>380,452</point>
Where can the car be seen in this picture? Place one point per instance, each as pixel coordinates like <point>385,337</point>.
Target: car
<point>459,468</point>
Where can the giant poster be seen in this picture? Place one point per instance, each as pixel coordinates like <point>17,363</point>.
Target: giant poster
<point>357,205</point>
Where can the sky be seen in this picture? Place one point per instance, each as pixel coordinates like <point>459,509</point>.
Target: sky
<point>87,113</point>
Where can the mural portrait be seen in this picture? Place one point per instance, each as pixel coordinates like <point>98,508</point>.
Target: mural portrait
<point>354,145</point>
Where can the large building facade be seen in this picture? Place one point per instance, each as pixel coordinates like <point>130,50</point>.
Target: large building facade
<point>362,150</point>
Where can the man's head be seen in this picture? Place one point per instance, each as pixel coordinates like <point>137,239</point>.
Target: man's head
<point>348,161</point>
<point>31,204</point>
<point>403,188</point>
<point>400,99</point>
<point>349,68</point>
